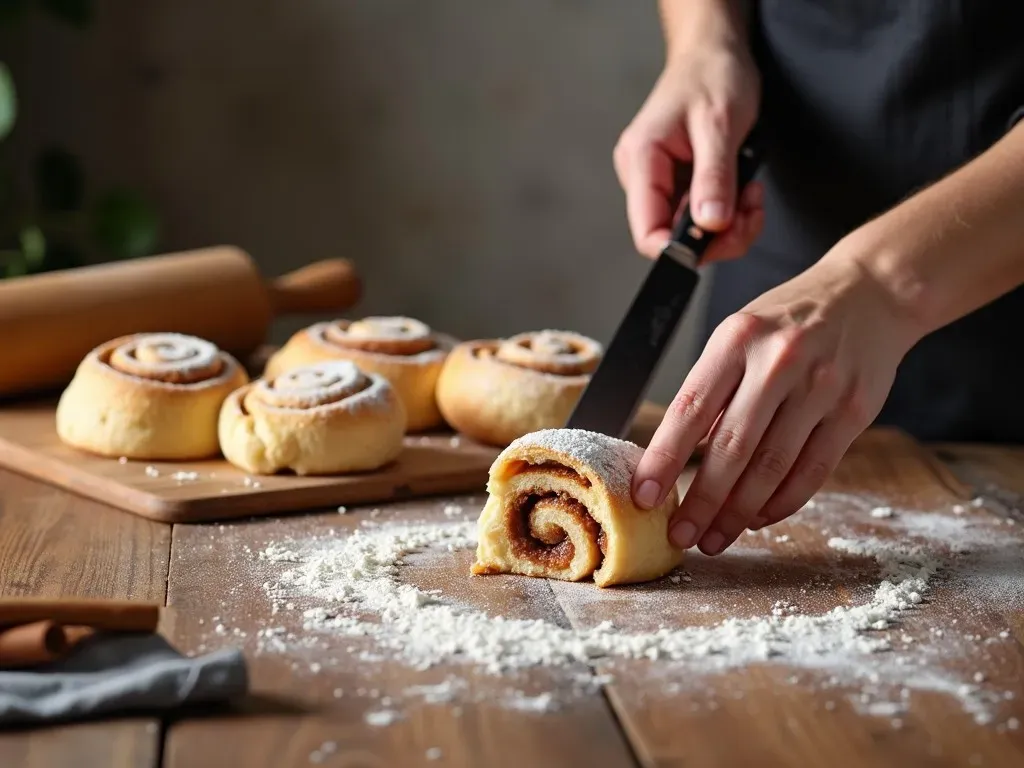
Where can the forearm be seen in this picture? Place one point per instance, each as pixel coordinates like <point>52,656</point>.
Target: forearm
<point>953,247</point>
<point>686,22</point>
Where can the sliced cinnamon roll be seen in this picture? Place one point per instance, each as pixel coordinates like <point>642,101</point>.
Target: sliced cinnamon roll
<point>498,390</point>
<point>559,507</point>
<point>405,351</point>
<point>149,396</point>
<point>324,419</point>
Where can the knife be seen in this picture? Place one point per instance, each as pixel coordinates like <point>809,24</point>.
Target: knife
<point>618,386</point>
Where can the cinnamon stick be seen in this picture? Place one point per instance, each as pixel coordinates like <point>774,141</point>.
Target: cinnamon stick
<point>110,615</point>
<point>30,644</point>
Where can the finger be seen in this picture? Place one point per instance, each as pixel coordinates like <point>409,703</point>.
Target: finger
<point>775,456</point>
<point>649,175</point>
<point>752,197</point>
<point>746,227</point>
<point>690,416</point>
<point>736,241</point>
<point>713,189</point>
<point>822,452</point>
<point>728,452</point>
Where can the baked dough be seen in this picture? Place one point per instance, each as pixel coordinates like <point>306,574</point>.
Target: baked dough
<point>498,390</point>
<point>404,351</point>
<point>323,419</point>
<point>559,507</point>
<point>148,396</point>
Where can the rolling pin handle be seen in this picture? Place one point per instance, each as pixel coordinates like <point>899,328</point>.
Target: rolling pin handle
<point>332,285</point>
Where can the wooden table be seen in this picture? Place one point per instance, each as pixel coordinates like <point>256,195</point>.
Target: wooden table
<point>53,543</point>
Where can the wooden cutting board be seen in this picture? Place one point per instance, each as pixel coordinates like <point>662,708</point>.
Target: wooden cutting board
<point>202,491</point>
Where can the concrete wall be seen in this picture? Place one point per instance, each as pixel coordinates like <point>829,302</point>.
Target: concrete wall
<point>460,152</point>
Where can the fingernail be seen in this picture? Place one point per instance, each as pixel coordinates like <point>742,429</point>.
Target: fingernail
<point>683,534</point>
<point>647,494</point>
<point>713,542</point>
<point>712,211</point>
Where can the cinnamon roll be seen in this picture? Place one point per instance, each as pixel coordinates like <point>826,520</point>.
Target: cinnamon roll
<point>404,351</point>
<point>498,390</point>
<point>559,507</point>
<point>149,396</point>
<point>323,419</point>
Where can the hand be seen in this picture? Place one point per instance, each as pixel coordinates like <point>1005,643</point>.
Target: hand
<point>699,112</point>
<point>784,387</point>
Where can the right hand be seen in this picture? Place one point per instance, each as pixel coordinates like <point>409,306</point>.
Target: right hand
<point>697,115</point>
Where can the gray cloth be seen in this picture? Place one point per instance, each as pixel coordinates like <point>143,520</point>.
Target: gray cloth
<point>118,674</point>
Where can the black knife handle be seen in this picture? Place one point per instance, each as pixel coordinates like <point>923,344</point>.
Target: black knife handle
<point>686,232</point>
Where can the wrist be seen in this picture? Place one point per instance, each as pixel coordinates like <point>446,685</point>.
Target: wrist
<point>701,25</point>
<point>876,263</point>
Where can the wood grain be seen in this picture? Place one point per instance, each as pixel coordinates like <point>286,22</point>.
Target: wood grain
<point>168,493</point>
<point>778,715</point>
<point>116,744</point>
<point>298,685</point>
<point>53,544</point>
<point>992,473</point>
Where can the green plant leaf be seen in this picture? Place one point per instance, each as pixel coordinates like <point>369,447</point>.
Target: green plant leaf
<point>8,102</point>
<point>77,13</point>
<point>33,246</point>
<point>125,225</point>
<point>60,182</point>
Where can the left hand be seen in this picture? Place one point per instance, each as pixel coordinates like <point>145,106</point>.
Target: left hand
<point>784,387</point>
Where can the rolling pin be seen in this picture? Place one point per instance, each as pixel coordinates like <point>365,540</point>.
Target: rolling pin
<point>50,321</point>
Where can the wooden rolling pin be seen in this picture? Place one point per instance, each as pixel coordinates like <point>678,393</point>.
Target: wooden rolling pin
<point>51,321</point>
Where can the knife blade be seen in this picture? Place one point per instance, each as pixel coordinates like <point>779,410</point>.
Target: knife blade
<point>618,385</point>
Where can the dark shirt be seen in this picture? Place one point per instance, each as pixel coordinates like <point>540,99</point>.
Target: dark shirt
<point>867,102</point>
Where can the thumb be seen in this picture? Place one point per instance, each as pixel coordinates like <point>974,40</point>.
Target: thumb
<point>713,186</point>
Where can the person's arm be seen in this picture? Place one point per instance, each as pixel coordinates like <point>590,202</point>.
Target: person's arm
<point>696,116</point>
<point>785,385</point>
<point>685,23</point>
<point>955,246</point>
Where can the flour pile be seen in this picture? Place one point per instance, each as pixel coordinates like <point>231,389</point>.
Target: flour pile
<point>353,586</point>
<point>423,629</point>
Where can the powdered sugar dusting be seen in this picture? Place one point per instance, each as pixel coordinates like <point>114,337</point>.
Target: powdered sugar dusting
<point>611,459</point>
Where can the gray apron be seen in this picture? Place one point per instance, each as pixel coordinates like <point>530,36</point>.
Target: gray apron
<point>865,103</point>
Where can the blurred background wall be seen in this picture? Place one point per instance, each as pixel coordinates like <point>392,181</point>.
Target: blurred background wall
<point>459,152</point>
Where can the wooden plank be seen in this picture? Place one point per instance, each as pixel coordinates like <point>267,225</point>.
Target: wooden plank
<point>993,473</point>
<point>811,713</point>
<point>174,492</point>
<point>54,544</point>
<point>208,588</point>
<point>117,744</point>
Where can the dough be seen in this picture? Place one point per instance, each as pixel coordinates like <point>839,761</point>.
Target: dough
<point>498,390</point>
<point>324,419</point>
<point>559,507</point>
<point>151,396</point>
<point>404,351</point>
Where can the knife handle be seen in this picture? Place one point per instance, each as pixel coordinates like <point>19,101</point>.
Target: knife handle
<point>686,232</point>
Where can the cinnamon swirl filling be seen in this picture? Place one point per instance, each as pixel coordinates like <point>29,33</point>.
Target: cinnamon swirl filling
<point>548,526</point>
<point>401,336</point>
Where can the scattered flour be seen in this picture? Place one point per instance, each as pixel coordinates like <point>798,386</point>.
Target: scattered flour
<point>355,588</point>
<point>882,512</point>
<point>382,717</point>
